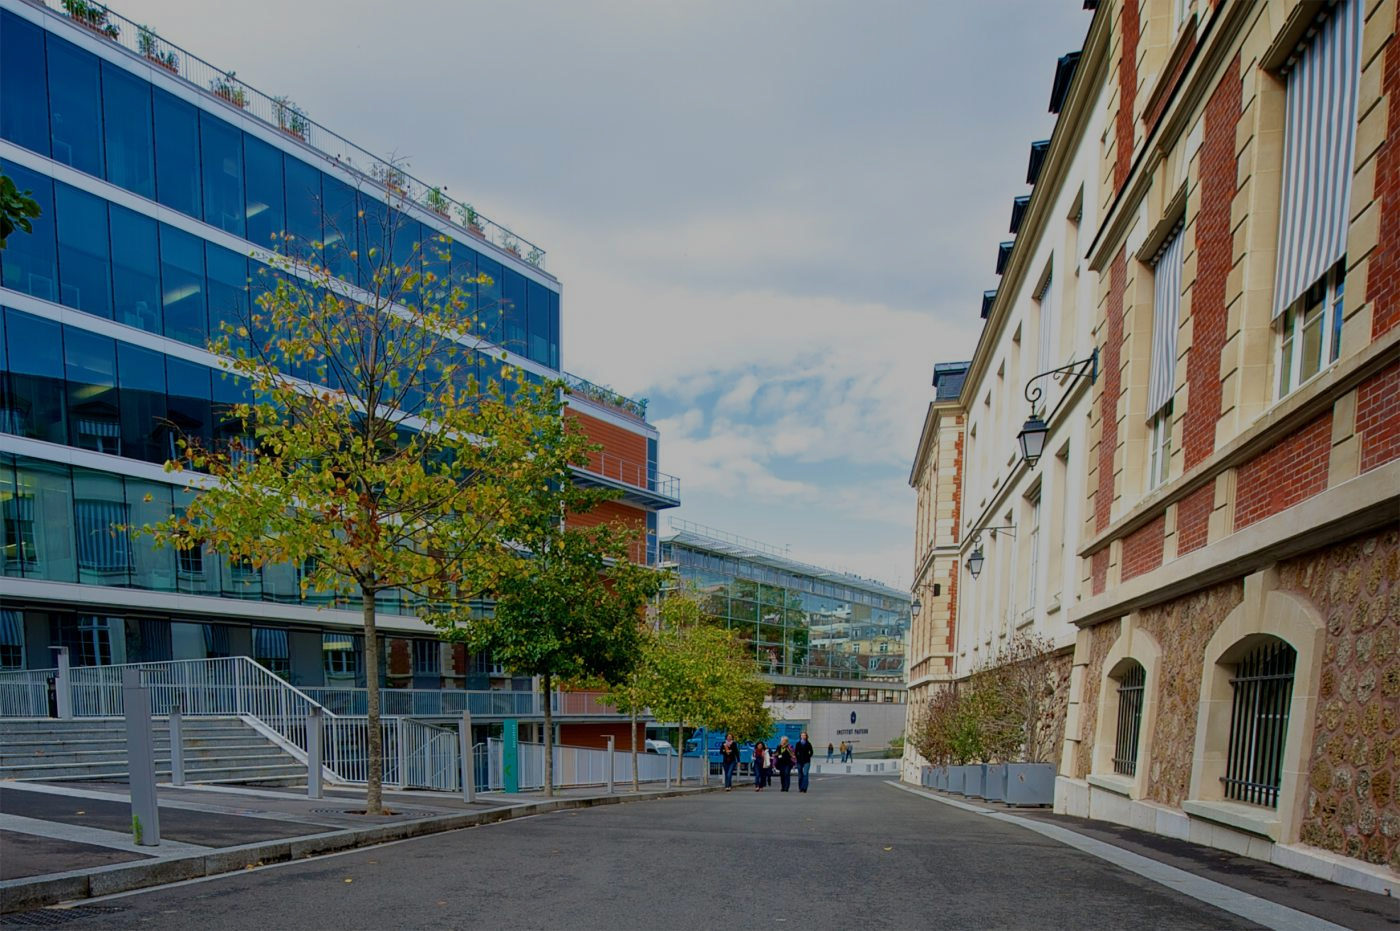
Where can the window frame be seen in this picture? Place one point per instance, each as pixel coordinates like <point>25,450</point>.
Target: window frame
<point>1159,448</point>
<point>1328,294</point>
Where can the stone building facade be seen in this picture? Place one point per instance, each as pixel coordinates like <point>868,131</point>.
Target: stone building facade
<point>1235,616</point>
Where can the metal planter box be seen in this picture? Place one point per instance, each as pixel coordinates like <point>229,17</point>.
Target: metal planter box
<point>972,784</point>
<point>1030,784</point>
<point>994,782</point>
<point>956,775</point>
<point>940,778</point>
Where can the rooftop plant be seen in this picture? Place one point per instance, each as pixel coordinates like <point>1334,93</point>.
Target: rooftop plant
<point>92,15</point>
<point>149,45</point>
<point>226,87</point>
<point>290,118</point>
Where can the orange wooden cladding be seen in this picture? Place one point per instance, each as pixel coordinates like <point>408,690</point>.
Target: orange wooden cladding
<point>617,442</point>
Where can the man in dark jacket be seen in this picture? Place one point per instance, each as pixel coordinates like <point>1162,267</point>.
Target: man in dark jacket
<point>804,752</point>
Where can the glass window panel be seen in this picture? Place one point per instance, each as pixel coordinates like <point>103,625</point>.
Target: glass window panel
<point>228,293</point>
<point>177,153</point>
<point>99,507</point>
<point>17,544</point>
<point>147,504</point>
<point>303,210</point>
<point>407,245</point>
<point>229,390</point>
<point>488,300</point>
<point>182,285</point>
<point>463,275</point>
<point>135,270</point>
<point>24,107</point>
<point>75,95</point>
<point>537,322</point>
<point>265,192</point>
<point>222,148</point>
<point>29,262</point>
<point>513,305</point>
<point>187,397</point>
<point>1312,342</point>
<point>374,238</point>
<point>196,569</point>
<point>84,259</point>
<point>437,266</point>
<point>44,505</point>
<point>126,105</point>
<point>90,364</point>
<point>37,396</point>
<point>141,378</point>
<point>341,227</point>
<point>553,330</point>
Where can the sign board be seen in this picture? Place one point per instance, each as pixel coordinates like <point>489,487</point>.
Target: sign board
<point>510,754</point>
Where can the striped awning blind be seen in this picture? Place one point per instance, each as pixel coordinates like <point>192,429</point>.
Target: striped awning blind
<point>336,642</point>
<point>1319,139</point>
<point>1046,352</point>
<point>1166,317</point>
<point>269,643</point>
<point>99,428</point>
<point>101,546</point>
<point>11,630</point>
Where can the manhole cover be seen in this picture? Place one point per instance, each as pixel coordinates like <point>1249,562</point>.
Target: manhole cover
<point>53,917</point>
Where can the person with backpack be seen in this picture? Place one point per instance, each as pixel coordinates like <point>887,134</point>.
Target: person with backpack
<point>729,760</point>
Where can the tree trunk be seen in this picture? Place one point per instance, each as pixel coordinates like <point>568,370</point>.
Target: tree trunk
<point>636,781</point>
<point>546,682</point>
<point>374,779</point>
<point>680,754</point>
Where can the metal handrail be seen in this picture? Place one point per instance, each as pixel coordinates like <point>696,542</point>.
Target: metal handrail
<point>283,115</point>
<point>639,475</point>
<point>604,395</point>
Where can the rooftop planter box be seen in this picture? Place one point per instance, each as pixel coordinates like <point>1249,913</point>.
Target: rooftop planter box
<point>149,46</point>
<point>229,89</point>
<point>973,780</point>
<point>1030,784</point>
<point>290,118</point>
<point>92,15</point>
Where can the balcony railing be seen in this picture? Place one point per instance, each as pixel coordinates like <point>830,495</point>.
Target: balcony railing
<point>602,394</point>
<point>283,115</point>
<point>639,475</point>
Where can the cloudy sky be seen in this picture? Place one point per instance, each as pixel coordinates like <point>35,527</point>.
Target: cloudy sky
<point>770,217</point>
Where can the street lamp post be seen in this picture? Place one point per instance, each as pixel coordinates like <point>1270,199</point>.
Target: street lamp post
<point>1034,431</point>
<point>975,561</point>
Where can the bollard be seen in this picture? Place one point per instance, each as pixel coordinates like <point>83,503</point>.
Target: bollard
<point>177,743</point>
<point>464,738</point>
<point>313,753</point>
<point>63,684</point>
<point>611,764</point>
<point>141,759</point>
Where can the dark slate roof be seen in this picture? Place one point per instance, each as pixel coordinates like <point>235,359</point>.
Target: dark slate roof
<point>987,298</point>
<point>1018,212</point>
<point>1064,76</point>
<point>1038,150</point>
<point>1004,255</point>
<point>948,379</point>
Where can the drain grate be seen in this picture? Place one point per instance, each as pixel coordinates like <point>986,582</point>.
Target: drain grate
<point>393,812</point>
<point>54,917</point>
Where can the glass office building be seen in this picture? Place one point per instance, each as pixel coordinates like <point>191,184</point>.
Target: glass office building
<point>166,186</point>
<point>815,633</point>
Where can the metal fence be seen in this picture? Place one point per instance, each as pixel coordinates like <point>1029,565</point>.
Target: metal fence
<point>1263,685</point>
<point>429,702</point>
<point>24,693</point>
<point>1130,695</point>
<point>583,766</point>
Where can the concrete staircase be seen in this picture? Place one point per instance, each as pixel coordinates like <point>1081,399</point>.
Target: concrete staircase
<point>217,750</point>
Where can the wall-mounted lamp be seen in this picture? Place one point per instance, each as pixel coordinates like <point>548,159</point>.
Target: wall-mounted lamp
<point>975,561</point>
<point>915,607</point>
<point>1033,433</point>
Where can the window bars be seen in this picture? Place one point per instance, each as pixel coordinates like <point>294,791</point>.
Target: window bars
<point>1263,685</point>
<point>1130,695</point>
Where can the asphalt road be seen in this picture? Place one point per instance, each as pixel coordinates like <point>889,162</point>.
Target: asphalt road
<point>852,853</point>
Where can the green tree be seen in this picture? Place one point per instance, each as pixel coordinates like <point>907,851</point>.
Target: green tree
<point>16,209</point>
<point>570,608</point>
<point>395,479</point>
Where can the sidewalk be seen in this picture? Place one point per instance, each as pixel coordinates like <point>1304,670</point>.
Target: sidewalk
<point>67,841</point>
<point>1181,864</point>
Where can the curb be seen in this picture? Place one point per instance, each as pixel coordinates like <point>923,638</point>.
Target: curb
<point>17,895</point>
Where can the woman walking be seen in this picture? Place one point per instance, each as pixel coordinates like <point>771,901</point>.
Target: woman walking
<point>760,766</point>
<point>784,759</point>
<point>729,759</point>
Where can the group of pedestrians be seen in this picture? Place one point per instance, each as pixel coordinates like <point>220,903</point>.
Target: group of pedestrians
<point>848,752</point>
<point>782,759</point>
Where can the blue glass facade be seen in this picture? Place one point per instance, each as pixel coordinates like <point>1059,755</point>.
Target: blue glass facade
<point>155,200</point>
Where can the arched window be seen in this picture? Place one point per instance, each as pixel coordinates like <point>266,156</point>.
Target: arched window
<point>1263,689</point>
<point>1130,699</point>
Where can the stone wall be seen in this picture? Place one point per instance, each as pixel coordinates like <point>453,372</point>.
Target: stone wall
<point>1101,640</point>
<point>1352,804</point>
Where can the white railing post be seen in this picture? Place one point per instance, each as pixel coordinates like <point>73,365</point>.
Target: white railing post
<point>403,755</point>
<point>177,742</point>
<point>141,763</point>
<point>464,739</point>
<point>238,678</point>
<point>611,761</point>
<point>63,684</point>
<point>313,753</point>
